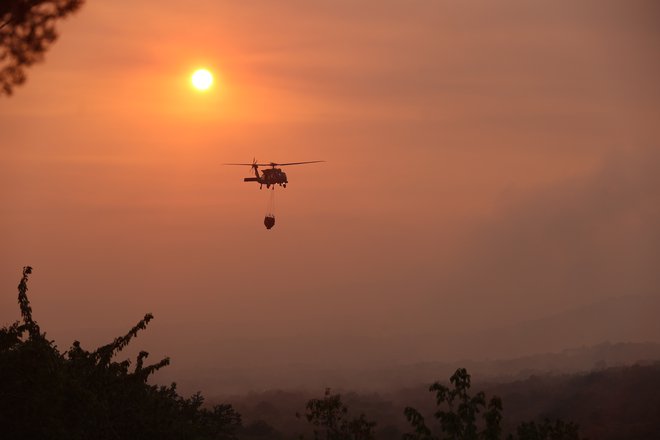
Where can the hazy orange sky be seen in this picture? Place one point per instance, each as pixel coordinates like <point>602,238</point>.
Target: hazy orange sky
<point>488,163</point>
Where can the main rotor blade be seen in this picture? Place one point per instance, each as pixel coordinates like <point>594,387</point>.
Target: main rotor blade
<point>295,163</point>
<point>274,164</point>
<point>249,164</point>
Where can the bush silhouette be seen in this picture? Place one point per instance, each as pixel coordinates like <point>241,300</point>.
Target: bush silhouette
<point>330,419</point>
<point>458,412</point>
<point>80,394</point>
<point>458,421</point>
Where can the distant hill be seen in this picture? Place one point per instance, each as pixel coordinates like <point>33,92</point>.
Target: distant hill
<point>629,323</point>
<point>225,382</point>
<point>574,360</point>
<point>616,403</point>
<point>626,318</point>
<point>609,404</point>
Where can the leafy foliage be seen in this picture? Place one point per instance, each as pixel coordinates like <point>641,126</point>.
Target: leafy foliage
<point>329,416</point>
<point>547,430</point>
<point>27,29</point>
<point>84,394</point>
<point>457,414</point>
<point>459,419</point>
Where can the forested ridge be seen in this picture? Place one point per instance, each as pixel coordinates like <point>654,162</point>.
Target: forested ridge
<point>87,394</point>
<point>609,404</point>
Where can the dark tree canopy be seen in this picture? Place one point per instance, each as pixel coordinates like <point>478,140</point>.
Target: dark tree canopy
<point>458,413</point>
<point>27,29</point>
<point>81,394</point>
<point>458,416</point>
<point>329,416</point>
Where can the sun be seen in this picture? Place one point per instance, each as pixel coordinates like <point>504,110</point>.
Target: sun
<point>202,79</point>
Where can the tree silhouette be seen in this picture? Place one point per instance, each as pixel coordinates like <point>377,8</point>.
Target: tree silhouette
<point>458,417</point>
<point>84,394</point>
<point>459,420</point>
<point>329,416</point>
<point>547,430</point>
<point>27,29</point>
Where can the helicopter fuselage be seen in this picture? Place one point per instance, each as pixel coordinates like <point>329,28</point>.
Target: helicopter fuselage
<point>269,177</point>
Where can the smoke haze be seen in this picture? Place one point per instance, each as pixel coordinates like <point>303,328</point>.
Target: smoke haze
<point>489,165</point>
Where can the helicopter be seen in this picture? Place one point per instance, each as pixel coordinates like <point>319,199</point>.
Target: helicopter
<point>270,176</point>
